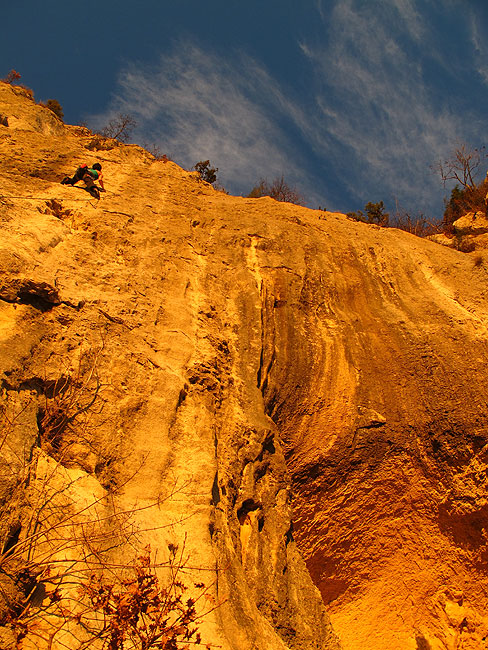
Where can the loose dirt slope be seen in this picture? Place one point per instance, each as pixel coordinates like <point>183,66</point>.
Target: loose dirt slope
<point>256,363</point>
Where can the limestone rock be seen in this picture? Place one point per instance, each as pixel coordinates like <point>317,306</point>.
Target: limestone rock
<point>296,399</point>
<point>470,234</point>
<point>472,223</point>
<point>118,350</point>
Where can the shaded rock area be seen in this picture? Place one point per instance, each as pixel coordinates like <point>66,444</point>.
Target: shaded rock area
<point>297,399</point>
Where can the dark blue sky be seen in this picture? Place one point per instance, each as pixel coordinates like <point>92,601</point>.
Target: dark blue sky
<point>352,100</point>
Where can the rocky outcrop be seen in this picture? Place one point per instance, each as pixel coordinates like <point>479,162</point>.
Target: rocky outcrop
<point>470,233</point>
<point>472,223</point>
<point>254,381</point>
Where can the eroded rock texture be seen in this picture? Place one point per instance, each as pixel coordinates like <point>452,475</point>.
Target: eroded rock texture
<point>261,380</point>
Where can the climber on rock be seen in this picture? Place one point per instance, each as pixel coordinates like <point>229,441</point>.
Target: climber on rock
<point>88,175</point>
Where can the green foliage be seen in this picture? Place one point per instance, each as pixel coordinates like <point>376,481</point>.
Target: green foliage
<point>207,173</point>
<point>278,190</point>
<point>469,194</point>
<point>454,208</point>
<point>55,107</point>
<point>374,213</point>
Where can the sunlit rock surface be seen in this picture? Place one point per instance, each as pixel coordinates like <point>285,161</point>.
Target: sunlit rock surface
<point>260,383</point>
<point>469,235</point>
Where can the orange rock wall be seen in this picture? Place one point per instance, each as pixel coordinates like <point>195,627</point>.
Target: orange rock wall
<point>284,383</point>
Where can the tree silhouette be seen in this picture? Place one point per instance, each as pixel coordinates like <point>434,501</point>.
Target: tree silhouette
<point>207,173</point>
<point>119,128</point>
<point>55,107</point>
<point>278,190</point>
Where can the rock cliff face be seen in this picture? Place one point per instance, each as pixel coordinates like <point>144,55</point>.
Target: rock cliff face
<point>254,381</point>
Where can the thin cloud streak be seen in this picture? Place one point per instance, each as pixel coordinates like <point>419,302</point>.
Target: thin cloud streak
<point>369,128</point>
<point>195,106</point>
<point>479,46</point>
<point>410,18</point>
<point>382,123</point>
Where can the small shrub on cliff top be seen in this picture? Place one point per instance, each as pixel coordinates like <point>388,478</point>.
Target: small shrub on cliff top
<point>278,190</point>
<point>207,173</point>
<point>156,151</point>
<point>462,201</point>
<point>12,77</point>
<point>374,213</point>
<point>415,224</point>
<point>55,107</point>
<point>468,195</point>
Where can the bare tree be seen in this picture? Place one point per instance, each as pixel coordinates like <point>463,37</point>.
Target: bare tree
<point>462,166</point>
<point>278,190</point>
<point>60,574</point>
<point>470,193</point>
<point>119,128</point>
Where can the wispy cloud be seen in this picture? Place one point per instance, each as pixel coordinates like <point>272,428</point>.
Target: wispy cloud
<point>410,18</point>
<point>478,43</point>
<point>196,106</point>
<point>380,117</point>
<point>368,128</point>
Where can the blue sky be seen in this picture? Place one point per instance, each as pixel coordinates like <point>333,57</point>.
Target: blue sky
<point>352,100</point>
